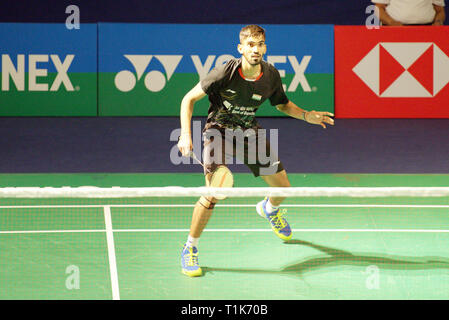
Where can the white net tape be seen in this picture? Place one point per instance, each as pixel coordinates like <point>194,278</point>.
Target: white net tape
<point>119,192</point>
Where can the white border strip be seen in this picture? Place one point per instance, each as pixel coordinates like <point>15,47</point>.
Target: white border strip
<point>111,253</point>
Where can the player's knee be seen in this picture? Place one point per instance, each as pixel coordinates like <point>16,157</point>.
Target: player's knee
<point>207,202</point>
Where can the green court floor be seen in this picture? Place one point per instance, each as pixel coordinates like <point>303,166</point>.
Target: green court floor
<point>342,248</point>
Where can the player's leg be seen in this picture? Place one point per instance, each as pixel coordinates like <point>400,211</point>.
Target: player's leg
<point>279,179</point>
<point>189,257</point>
<point>269,207</point>
<point>274,175</point>
<point>201,214</point>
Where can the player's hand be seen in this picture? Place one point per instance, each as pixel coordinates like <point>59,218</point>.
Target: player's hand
<point>395,23</point>
<point>185,145</point>
<point>319,117</point>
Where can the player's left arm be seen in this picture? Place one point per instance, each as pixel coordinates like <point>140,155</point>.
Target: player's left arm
<point>440,15</point>
<point>314,117</point>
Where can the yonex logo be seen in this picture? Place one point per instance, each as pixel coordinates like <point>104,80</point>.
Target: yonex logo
<point>299,69</point>
<point>155,80</point>
<point>36,73</point>
<point>404,69</point>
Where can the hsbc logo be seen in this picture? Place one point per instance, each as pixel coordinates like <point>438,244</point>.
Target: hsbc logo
<point>404,69</point>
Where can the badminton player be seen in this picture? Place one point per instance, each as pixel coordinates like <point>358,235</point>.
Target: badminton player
<point>235,90</point>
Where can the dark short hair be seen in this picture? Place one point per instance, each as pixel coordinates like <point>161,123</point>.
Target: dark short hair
<point>251,30</point>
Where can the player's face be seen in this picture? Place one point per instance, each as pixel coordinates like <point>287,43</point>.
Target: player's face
<point>253,49</point>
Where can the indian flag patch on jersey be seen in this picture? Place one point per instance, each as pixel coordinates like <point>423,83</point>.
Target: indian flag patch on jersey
<point>257,97</point>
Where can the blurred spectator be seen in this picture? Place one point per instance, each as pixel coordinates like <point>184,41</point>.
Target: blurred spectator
<point>411,12</point>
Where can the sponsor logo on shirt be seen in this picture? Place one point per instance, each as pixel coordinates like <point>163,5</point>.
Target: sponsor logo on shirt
<point>241,110</point>
<point>257,97</point>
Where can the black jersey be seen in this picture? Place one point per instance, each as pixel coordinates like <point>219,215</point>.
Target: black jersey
<point>235,100</point>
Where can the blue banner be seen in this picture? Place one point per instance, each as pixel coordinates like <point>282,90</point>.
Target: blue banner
<point>51,39</point>
<point>146,69</point>
<point>203,41</point>
<point>48,70</point>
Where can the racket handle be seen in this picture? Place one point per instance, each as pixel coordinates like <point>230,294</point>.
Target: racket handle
<point>193,155</point>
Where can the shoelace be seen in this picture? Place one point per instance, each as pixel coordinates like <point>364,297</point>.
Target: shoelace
<point>191,259</point>
<point>278,220</point>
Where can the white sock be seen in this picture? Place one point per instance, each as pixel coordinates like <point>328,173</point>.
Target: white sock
<point>192,242</point>
<point>270,207</point>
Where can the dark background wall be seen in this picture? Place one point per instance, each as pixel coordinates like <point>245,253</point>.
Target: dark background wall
<point>343,12</point>
<point>102,144</point>
<point>194,11</point>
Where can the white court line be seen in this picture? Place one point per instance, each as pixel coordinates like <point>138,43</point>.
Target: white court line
<point>52,231</point>
<point>111,253</point>
<point>232,205</point>
<point>111,243</point>
<point>294,230</point>
<point>111,248</point>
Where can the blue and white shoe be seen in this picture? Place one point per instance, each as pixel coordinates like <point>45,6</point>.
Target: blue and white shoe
<point>189,262</point>
<point>278,223</point>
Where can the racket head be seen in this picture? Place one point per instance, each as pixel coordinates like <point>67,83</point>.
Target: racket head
<point>221,178</point>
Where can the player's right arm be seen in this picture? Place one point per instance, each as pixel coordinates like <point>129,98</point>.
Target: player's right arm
<point>185,140</point>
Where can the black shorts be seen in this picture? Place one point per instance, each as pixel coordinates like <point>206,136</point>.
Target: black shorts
<point>249,147</point>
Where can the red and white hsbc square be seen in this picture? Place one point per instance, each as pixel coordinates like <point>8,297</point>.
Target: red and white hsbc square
<point>391,72</point>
